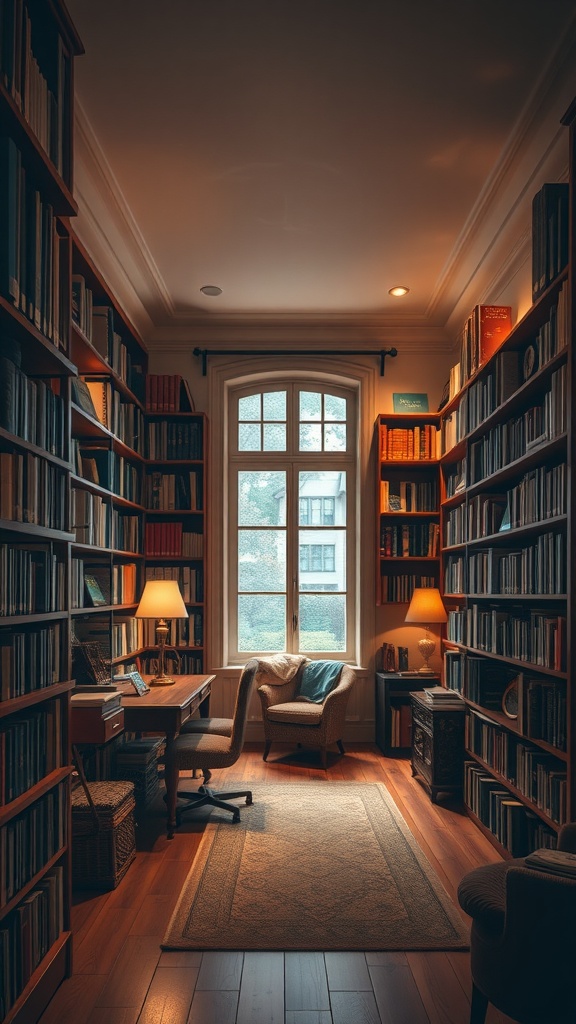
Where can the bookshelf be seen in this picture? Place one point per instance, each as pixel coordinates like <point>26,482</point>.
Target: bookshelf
<point>408,493</point>
<point>36,365</point>
<point>507,528</point>
<point>108,451</point>
<point>175,528</point>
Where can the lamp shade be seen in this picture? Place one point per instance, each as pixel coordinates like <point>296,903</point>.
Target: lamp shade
<point>426,606</point>
<point>161,599</point>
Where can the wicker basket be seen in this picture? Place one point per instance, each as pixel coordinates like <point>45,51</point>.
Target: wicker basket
<point>137,762</point>
<point>103,837</point>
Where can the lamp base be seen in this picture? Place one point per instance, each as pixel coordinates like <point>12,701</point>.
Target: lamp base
<point>426,671</point>
<point>162,681</point>
<point>426,646</point>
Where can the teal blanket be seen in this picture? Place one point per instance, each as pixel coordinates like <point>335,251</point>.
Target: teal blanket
<point>318,679</point>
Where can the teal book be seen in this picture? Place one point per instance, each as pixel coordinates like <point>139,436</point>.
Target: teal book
<point>409,402</point>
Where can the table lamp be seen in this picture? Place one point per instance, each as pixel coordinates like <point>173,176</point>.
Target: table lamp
<point>161,600</point>
<point>426,607</point>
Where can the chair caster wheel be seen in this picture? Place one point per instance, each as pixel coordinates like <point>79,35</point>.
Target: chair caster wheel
<point>248,801</point>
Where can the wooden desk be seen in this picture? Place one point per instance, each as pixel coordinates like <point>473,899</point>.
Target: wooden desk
<point>165,709</point>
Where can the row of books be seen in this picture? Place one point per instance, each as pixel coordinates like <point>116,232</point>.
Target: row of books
<point>108,469</point>
<point>537,568</point>
<point>408,496</point>
<point>31,748</point>
<point>512,439</point>
<point>103,402</point>
<point>455,575</point>
<point>398,588</point>
<point>171,540</point>
<point>167,392</point>
<point>128,635</point>
<point>484,331</point>
<point>98,324</point>
<point>32,580</point>
<point>165,492</point>
<point>456,478</point>
<point>178,662</point>
<point>27,933</point>
<point>37,86</point>
<point>28,841</point>
<point>537,774</point>
<point>94,585</point>
<point>400,725</point>
<point>126,531</point>
<point>550,227</point>
<point>533,637</point>
<point>30,660</point>
<point>409,443</point>
<point>33,491</point>
<point>416,540</point>
<point>515,827</point>
<point>190,579</point>
<point>91,519</point>
<point>29,408</point>
<point>174,440</point>
<point>31,249</point>
<point>482,398</point>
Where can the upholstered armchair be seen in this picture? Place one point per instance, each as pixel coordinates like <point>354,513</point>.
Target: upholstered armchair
<point>522,945</point>
<point>288,719</point>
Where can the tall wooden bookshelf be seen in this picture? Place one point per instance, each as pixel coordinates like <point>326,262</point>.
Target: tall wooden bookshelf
<point>108,431</point>
<point>508,535</point>
<point>175,529</point>
<point>408,523</point>
<point>36,81</point>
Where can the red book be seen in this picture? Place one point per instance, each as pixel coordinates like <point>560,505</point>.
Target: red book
<point>493,325</point>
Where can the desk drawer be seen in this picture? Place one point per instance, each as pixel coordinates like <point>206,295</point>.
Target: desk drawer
<point>88,726</point>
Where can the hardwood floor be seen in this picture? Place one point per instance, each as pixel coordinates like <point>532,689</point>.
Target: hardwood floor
<point>121,976</point>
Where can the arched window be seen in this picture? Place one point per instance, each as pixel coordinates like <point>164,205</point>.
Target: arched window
<point>292,537</point>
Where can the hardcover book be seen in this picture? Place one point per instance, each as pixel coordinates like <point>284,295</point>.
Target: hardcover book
<point>409,402</point>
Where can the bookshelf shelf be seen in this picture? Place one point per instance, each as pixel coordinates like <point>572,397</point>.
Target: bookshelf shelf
<point>511,620</point>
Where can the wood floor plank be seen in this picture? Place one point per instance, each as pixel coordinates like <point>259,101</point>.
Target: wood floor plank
<point>262,990</point>
<point>445,1000</point>
<point>97,952</point>
<point>170,996</point>
<point>114,1015</point>
<point>213,1007</point>
<point>74,1000</point>
<point>181,958</point>
<point>397,996</point>
<point>306,984</point>
<point>347,972</point>
<point>220,971</point>
<point>308,1017</point>
<point>355,1008</point>
<point>131,976</point>
<point>153,916</point>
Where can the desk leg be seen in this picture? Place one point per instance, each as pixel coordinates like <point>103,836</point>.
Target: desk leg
<point>171,776</point>
<point>204,707</point>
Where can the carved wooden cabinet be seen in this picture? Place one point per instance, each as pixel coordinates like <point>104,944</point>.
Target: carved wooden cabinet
<point>437,745</point>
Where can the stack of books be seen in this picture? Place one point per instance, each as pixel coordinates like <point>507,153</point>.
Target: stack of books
<point>441,696</point>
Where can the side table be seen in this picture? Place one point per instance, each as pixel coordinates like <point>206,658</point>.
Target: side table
<point>438,744</point>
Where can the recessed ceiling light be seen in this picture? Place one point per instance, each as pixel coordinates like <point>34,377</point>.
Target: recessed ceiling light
<point>398,290</point>
<point>211,289</point>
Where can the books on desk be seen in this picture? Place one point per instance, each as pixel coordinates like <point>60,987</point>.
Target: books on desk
<point>109,702</point>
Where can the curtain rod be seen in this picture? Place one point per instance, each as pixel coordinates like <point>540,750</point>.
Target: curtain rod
<point>203,353</point>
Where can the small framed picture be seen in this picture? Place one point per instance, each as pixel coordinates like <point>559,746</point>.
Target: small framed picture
<point>138,683</point>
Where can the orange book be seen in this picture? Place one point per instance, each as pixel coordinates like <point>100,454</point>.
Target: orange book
<point>492,326</point>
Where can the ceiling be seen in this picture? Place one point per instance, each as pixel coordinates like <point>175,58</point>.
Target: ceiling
<point>304,156</point>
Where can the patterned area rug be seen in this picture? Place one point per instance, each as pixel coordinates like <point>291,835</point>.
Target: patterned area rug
<point>314,866</point>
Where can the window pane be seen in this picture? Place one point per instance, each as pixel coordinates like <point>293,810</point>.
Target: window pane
<point>322,498</point>
<point>274,437</point>
<point>261,498</point>
<point>310,405</point>
<point>274,405</point>
<point>261,623</point>
<point>310,437</point>
<point>249,438</point>
<point>334,408</point>
<point>249,408</point>
<point>322,622</point>
<point>335,437</point>
<point>324,563</point>
<point>261,560</point>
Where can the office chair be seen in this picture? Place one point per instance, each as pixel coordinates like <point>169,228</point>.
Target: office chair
<point>522,940</point>
<point>205,751</point>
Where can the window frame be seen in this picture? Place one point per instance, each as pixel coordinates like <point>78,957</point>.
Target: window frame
<point>293,462</point>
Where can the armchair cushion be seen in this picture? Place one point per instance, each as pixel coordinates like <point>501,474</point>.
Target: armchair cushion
<point>296,713</point>
<point>318,679</point>
<point>482,894</point>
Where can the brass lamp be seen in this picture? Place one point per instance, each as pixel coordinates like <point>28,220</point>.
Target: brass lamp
<point>161,600</point>
<point>426,607</point>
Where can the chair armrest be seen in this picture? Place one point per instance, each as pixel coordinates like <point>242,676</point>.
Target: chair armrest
<point>567,838</point>
<point>539,904</point>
